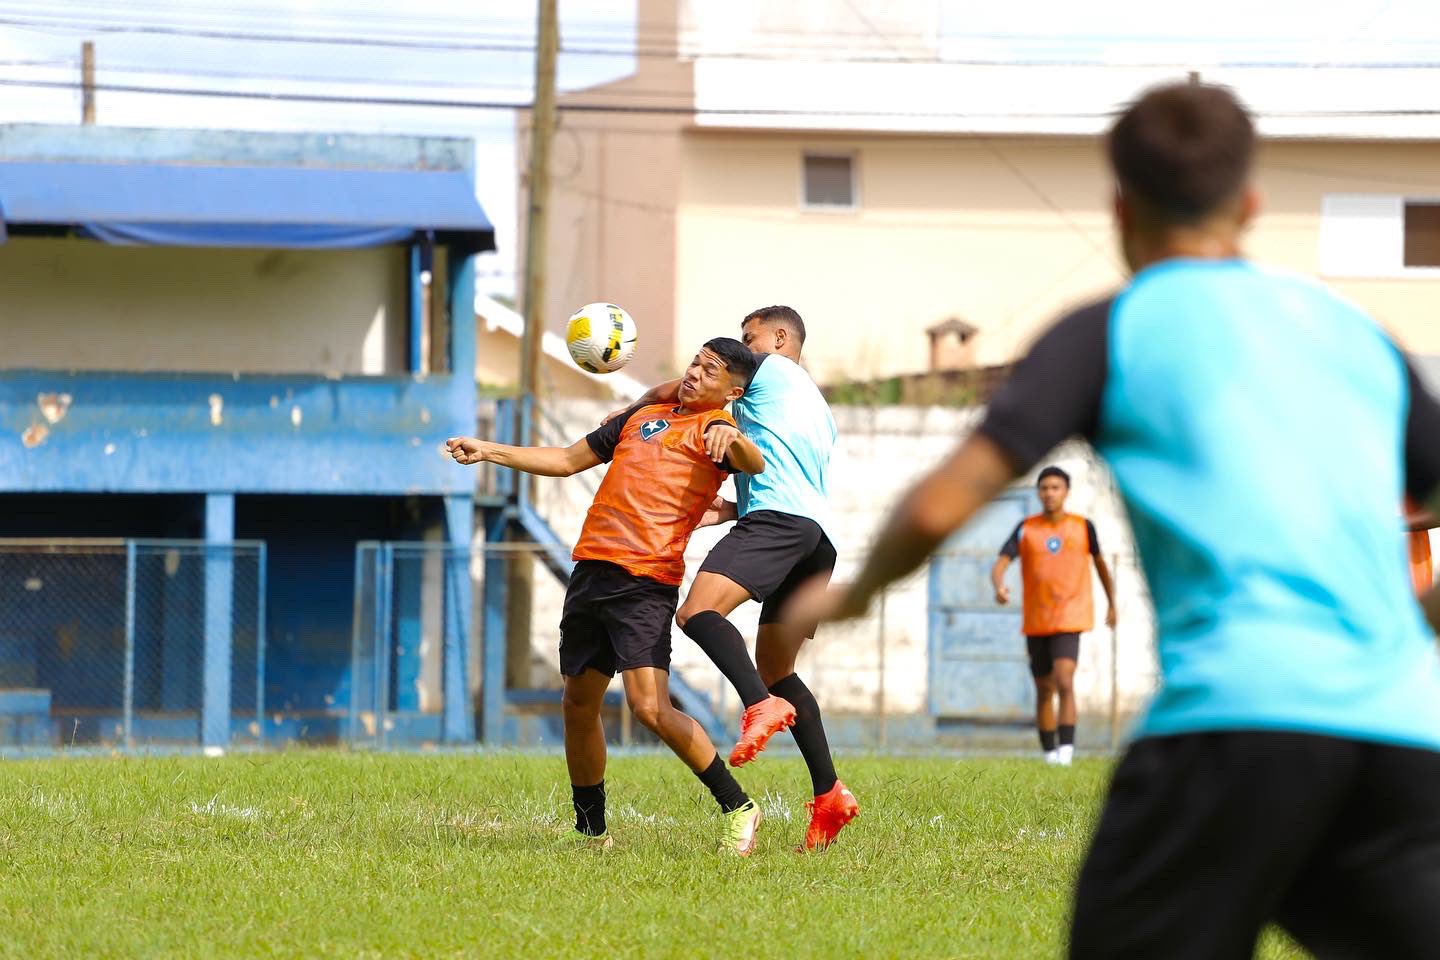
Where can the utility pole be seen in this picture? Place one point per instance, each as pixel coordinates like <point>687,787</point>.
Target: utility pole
<point>537,232</point>
<point>520,579</point>
<point>87,82</point>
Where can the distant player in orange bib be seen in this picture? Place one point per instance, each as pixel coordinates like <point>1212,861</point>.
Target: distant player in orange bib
<point>1055,549</point>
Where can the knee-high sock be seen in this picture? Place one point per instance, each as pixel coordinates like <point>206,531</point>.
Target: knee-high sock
<point>723,644</point>
<point>808,731</point>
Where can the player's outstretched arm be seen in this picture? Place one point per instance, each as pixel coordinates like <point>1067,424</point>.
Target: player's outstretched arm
<point>541,461</point>
<point>933,509</point>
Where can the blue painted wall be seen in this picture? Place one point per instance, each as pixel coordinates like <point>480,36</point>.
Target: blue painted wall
<point>153,433</point>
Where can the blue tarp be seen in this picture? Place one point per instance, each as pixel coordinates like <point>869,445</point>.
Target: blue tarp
<point>255,206</point>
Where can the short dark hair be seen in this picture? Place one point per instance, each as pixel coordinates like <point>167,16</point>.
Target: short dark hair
<point>739,361</point>
<point>1053,472</point>
<point>1182,150</point>
<point>785,316</point>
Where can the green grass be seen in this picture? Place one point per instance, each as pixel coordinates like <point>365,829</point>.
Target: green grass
<point>319,854</point>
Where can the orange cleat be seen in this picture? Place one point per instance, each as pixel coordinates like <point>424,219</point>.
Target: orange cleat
<point>759,723</point>
<point>829,813</point>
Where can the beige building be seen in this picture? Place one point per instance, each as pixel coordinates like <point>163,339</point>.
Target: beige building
<point>886,188</point>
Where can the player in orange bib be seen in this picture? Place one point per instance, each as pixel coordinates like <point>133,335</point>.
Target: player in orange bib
<point>1055,550</point>
<point>667,462</point>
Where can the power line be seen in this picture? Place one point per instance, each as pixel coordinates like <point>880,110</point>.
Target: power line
<point>673,51</point>
<point>616,108</point>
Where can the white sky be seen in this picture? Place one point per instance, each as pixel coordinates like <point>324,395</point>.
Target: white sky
<point>40,39</point>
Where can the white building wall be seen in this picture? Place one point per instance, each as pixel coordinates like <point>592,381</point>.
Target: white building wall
<point>73,304</point>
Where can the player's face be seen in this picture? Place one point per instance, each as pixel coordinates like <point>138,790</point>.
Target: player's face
<point>707,384</point>
<point>761,337</point>
<point>1052,491</point>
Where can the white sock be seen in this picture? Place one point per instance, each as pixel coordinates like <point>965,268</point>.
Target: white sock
<point>1052,756</point>
<point>1065,753</point>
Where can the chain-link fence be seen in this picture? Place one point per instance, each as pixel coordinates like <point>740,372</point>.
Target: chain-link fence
<point>936,662</point>
<point>131,643</point>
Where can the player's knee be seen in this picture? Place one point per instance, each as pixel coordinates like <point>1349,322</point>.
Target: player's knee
<point>648,710</point>
<point>1064,683</point>
<point>686,611</point>
<point>1046,685</point>
<point>575,706</point>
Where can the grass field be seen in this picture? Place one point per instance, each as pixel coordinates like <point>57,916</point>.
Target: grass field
<point>319,854</point>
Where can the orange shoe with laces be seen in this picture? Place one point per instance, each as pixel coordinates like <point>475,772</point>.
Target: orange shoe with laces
<point>758,724</point>
<point>829,813</point>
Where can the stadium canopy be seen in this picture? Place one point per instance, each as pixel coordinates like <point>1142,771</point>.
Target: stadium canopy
<point>173,204</point>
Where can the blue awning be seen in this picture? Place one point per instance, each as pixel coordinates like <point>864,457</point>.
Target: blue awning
<point>227,206</point>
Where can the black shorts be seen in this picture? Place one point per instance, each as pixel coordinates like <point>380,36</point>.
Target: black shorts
<point>1207,837</point>
<point>614,620</point>
<point>1044,651</point>
<point>770,554</point>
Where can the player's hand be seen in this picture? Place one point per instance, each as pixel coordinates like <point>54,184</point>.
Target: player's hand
<point>467,450</point>
<point>815,602</point>
<point>718,440</point>
<point>612,415</point>
<point>1002,594</point>
<point>1111,618</point>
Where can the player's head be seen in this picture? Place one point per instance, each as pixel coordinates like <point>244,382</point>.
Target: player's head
<point>774,329</point>
<point>1181,157</point>
<point>1053,486</point>
<point>719,373</point>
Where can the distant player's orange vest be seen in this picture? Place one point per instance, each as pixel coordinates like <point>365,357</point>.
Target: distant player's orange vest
<point>1055,569</point>
<point>1422,576</point>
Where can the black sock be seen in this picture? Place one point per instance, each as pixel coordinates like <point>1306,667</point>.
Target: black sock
<point>808,731</point>
<point>723,644</point>
<point>589,808</point>
<point>723,786</point>
<point>1047,740</point>
<point>1067,734</point>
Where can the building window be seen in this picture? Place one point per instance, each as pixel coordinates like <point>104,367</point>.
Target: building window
<point>1422,234</point>
<point>829,182</point>
<point>1379,235</point>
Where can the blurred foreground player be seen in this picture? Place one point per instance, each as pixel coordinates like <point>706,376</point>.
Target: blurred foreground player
<point>667,462</point>
<point>1261,432</point>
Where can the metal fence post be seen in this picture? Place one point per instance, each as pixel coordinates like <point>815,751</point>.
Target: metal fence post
<point>382,644</point>
<point>260,601</point>
<point>129,706</point>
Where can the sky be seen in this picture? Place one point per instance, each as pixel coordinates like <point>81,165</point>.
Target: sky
<point>477,51</point>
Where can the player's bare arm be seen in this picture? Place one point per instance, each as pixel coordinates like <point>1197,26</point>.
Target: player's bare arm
<point>933,509</point>
<point>666,392</point>
<point>541,461</point>
<point>720,511</point>
<point>997,579</point>
<point>1103,571</point>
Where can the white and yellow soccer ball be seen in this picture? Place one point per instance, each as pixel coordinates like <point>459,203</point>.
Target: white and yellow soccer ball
<point>601,337</point>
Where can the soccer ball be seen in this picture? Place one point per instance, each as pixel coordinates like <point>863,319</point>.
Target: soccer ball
<point>601,337</point>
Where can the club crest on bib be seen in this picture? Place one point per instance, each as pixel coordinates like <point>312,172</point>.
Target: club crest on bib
<point>651,428</point>
<point>1053,544</point>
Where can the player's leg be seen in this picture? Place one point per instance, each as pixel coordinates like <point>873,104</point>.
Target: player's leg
<point>702,617</point>
<point>585,748</point>
<point>1064,651</point>
<point>1199,840</point>
<point>777,646</point>
<point>1042,671</point>
<point>1373,888</point>
<point>587,661</point>
<point>647,690</point>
